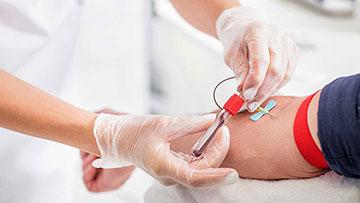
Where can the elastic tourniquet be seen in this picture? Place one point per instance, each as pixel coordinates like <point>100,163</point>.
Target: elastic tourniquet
<point>339,125</point>
<point>303,138</point>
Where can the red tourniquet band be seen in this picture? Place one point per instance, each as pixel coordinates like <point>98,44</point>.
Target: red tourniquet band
<point>303,138</point>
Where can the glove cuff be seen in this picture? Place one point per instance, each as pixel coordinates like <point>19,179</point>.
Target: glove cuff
<point>229,17</point>
<point>106,131</point>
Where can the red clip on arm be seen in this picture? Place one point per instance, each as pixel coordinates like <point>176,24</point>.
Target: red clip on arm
<point>234,104</point>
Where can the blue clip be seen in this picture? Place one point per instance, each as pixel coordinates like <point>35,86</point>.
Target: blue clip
<point>263,111</point>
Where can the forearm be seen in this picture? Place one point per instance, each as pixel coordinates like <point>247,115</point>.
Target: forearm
<point>265,149</point>
<point>26,109</point>
<point>202,14</point>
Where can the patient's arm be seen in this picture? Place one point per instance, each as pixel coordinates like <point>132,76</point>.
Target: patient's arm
<point>266,149</point>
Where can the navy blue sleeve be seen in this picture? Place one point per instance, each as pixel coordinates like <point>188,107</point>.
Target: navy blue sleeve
<point>339,125</point>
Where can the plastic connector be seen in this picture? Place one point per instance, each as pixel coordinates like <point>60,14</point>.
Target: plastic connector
<point>233,104</point>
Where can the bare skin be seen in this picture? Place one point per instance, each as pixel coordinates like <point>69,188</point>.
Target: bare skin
<point>102,180</point>
<point>25,108</point>
<point>266,149</point>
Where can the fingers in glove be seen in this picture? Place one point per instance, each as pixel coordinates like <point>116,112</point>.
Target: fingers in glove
<point>259,61</point>
<point>165,181</point>
<point>240,78</point>
<point>292,59</point>
<point>200,178</point>
<point>216,152</point>
<point>236,59</point>
<point>273,78</point>
<point>182,172</point>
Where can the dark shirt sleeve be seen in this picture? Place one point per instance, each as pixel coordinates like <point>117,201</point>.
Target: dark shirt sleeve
<point>339,125</point>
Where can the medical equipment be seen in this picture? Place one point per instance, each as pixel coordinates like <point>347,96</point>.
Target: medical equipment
<point>231,108</point>
<point>248,43</point>
<point>263,111</point>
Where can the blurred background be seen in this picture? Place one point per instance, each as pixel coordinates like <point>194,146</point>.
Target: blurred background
<point>140,57</point>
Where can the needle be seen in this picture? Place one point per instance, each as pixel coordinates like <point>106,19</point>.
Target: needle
<point>231,108</point>
<point>263,110</point>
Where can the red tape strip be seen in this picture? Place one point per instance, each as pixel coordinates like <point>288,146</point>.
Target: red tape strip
<point>303,138</point>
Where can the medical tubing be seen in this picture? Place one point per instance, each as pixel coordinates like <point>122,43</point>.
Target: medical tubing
<point>214,91</point>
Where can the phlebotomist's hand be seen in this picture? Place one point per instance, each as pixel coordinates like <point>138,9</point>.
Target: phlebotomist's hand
<point>262,57</point>
<point>144,141</point>
<point>99,179</point>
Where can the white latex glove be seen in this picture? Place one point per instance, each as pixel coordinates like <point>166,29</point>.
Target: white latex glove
<point>144,142</point>
<point>262,57</point>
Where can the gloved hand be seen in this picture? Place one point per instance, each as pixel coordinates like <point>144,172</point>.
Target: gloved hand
<point>145,142</point>
<point>262,57</point>
<point>103,180</point>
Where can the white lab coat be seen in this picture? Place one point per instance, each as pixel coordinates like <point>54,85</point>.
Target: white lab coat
<point>37,40</point>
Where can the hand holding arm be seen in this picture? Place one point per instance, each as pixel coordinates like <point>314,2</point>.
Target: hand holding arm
<point>145,142</point>
<point>262,57</point>
<point>99,179</point>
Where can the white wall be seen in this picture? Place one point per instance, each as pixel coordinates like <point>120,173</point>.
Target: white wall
<point>112,60</point>
<point>111,69</point>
